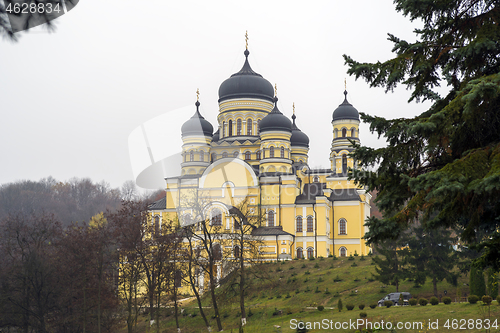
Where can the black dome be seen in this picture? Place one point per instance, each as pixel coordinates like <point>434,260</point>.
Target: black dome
<point>215,138</point>
<point>345,111</point>
<point>197,125</point>
<point>246,83</point>
<point>275,121</point>
<point>298,138</point>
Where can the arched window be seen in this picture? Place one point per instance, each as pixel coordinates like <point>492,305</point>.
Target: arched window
<point>258,126</point>
<point>223,129</point>
<point>249,126</point>
<point>282,152</point>
<point>230,129</point>
<point>238,127</point>
<point>217,252</point>
<point>191,156</point>
<point>310,252</point>
<point>216,217</point>
<point>343,252</point>
<point>344,164</point>
<point>214,157</point>
<point>316,179</point>
<point>235,154</point>
<point>224,154</point>
<point>342,227</point>
<point>344,132</point>
<point>310,224</point>
<point>271,151</point>
<point>353,132</point>
<point>299,253</point>
<point>248,155</point>
<point>270,218</point>
<point>187,219</point>
<point>336,133</point>
<point>236,251</point>
<point>202,155</point>
<point>299,224</point>
<point>257,155</point>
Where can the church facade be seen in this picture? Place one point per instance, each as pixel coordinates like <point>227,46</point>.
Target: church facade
<point>260,156</point>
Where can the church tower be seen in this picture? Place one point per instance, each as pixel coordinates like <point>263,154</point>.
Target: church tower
<point>345,123</point>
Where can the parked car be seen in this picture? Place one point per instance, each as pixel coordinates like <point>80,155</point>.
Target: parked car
<point>396,298</point>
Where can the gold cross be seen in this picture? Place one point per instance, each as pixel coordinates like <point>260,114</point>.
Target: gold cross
<point>275,90</point>
<point>293,107</point>
<point>197,94</point>
<point>345,84</point>
<point>246,39</point>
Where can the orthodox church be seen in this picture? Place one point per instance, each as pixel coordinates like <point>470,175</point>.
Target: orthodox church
<point>258,154</point>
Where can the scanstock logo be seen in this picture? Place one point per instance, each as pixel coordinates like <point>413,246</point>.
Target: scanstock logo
<point>25,14</point>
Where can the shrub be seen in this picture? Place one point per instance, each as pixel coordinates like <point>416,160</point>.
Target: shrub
<point>434,300</point>
<point>387,304</point>
<point>311,258</point>
<point>278,296</point>
<point>297,291</point>
<point>307,289</point>
<point>355,253</point>
<point>370,279</point>
<point>373,305</point>
<point>291,267</point>
<point>354,264</point>
<point>250,313</point>
<point>362,257</point>
<point>276,312</point>
<point>320,279</point>
<point>486,299</point>
<point>350,257</point>
<point>307,273</point>
<point>422,301</point>
<point>317,290</point>
<point>279,269</point>
<point>446,300</point>
<point>413,301</point>
<point>321,307</point>
<point>303,266</point>
<point>288,295</point>
<point>336,294</point>
<point>339,304</point>
<point>356,280</point>
<point>316,265</point>
<point>327,292</point>
<point>306,280</point>
<point>363,315</point>
<point>349,306</point>
<point>334,257</point>
<point>361,306</point>
<point>473,299</point>
<point>337,279</point>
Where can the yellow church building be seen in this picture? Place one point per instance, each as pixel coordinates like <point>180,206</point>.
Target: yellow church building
<point>259,155</point>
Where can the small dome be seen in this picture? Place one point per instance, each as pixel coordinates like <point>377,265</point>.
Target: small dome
<point>246,83</point>
<point>197,125</point>
<point>345,111</point>
<point>298,138</point>
<point>275,121</point>
<point>215,138</point>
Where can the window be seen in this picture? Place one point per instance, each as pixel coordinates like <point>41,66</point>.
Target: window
<point>270,218</point>
<point>216,217</point>
<point>282,154</point>
<point>217,252</point>
<point>249,126</point>
<point>202,155</point>
<point>236,251</point>
<point>224,154</point>
<point>316,179</point>
<point>344,164</point>
<point>187,219</point>
<point>235,154</point>
<point>343,252</point>
<point>230,129</point>
<point>299,224</point>
<point>258,126</point>
<point>310,252</point>
<point>238,127</point>
<point>157,225</point>
<point>248,155</point>
<point>353,132</point>
<point>344,132</point>
<point>223,129</point>
<point>191,156</point>
<point>214,157</point>
<point>299,253</point>
<point>342,227</point>
<point>310,224</point>
<point>257,155</point>
<point>336,133</point>
<point>271,151</point>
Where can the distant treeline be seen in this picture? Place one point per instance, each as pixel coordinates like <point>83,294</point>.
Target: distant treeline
<point>76,200</point>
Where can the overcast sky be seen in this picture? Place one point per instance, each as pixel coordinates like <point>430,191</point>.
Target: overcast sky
<point>70,99</point>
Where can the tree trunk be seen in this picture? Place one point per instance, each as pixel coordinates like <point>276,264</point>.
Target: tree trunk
<point>176,308</point>
<point>434,284</point>
<point>242,287</point>
<point>214,299</point>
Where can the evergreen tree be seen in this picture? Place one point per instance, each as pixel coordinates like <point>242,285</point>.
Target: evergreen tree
<point>389,263</point>
<point>472,280</point>
<point>492,283</point>
<point>431,255</point>
<point>476,283</point>
<point>441,168</point>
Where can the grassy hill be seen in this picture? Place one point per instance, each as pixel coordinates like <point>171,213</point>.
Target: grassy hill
<point>292,290</point>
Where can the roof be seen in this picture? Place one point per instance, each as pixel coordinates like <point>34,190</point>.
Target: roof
<point>159,204</point>
<point>345,111</point>
<point>349,194</point>
<point>311,191</point>
<point>270,231</point>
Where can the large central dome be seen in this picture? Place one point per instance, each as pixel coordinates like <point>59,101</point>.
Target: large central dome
<point>246,84</point>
